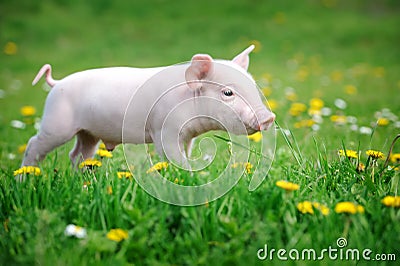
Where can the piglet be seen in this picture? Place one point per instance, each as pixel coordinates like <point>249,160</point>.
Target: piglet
<point>167,106</point>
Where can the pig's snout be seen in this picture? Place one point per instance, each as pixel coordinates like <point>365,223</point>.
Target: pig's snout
<point>263,119</point>
<point>267,122</point>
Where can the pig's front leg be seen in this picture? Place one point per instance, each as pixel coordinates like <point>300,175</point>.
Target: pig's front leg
<point>172,149</point>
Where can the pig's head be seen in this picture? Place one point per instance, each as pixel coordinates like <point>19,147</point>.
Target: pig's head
<point>231,85</point>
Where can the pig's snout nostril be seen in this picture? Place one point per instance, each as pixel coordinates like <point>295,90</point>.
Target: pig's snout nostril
<point>264,125</point>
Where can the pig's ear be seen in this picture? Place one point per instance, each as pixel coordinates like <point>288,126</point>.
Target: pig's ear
<point>242,59</point>
<point>200,68</point>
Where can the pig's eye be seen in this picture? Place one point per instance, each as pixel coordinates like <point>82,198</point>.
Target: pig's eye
<point>228,92</point>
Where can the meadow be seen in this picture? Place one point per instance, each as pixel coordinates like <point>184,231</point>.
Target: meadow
<point>330,71</point>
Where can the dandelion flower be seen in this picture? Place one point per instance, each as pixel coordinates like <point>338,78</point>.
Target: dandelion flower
<point>360,167</point>
<point>10,48</point>
<point>90,163</point>
<point>348,207</point>
<point>102,146</point>
<point>350,89</point>
<point>382,122</point>
<point>338,119</point>
<point>22,148</point>
<point>256,137</point>
<point>391,201</point>
<point>28,110</point>
<point>124,174</point>
<point>76,231</point>
<point>248,167</point>
<point>272,104</point>
<point>266,91</point>
<point>109,190</point>
<point>308,207</point>
<point>395,158</point>
<point>286,185</point>
<point>117,235</point>
<point>104,153</point>
<point>305,207</point>
<point>27,170</point>
<point>316,103</point>
<point>365,130</point>
<point>348,154</point>
<point>158,167</point>
<point>375,154</point>
<point>297,109</point>
<point>304,123</point>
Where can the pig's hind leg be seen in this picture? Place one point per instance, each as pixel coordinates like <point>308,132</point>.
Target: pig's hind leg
<point>85,147</point>
<point>43,143</point>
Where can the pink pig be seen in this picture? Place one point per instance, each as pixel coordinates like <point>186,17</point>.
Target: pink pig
<point>167,106</point>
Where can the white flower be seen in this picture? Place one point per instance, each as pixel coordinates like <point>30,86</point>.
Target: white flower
<point>18,124</point>
<point>76,231</point>
<point>340,103</point>
<point>326,111</point>
<point>354,127</point>
<point>366,130</point>
<point>315,127</point>
<point>351,119</point>
<point>397,124</point>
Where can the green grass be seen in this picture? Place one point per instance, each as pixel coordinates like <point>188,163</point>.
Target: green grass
<point>312,47</point>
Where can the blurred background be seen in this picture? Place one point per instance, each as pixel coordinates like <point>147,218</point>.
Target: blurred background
<point>327,49</point>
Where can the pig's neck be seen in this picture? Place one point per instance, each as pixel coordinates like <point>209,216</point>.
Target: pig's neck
<point>199,123</point>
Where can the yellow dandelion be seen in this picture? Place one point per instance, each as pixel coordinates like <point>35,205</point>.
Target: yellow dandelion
<point>338,119</point>
<point>378,72</point>
<point>375,154</point>
<point>256,137</point>
<point>124,174</point>
<point>314,112</point>
<point>28,170</point>
<point>109,190</point>
<point>336,76</point>
<point>382,122</point>
<point>279,18</point>
<point>395,158</point>
<point>316,103</point>
<point>302,74</point>
<point>360,167</point>
<point>117,235</point>
<point>304,123</point>
<point>248,167</point>
<point>158,167</point>
<point>102,146</point>
<point>391,201</point>
<point>291,96</point>
<point>348,207</point>
<point>308,207</point>
<point>27,110</point>
<point>348,154</point>
<point>10,48</point>
<point>297,109</point>
<point>272,104</point>
<point>286,185</point>
<point>350,89</point>
<point>266,91</point>
<point>90,163</point>
<point>305,207</point>
<point>104,153</point>
<point>21,148</point>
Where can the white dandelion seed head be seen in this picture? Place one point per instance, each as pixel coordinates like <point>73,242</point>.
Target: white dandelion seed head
<point>326,111</point>
<point>351,119</point>
<point>366,130</point>
<point>353,127</point>
<point>340,103</point>
<point>18,124</point>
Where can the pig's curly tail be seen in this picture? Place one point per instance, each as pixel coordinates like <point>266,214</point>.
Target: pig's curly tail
<point>49,79</point>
